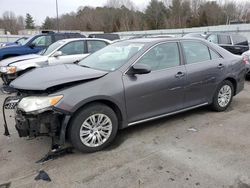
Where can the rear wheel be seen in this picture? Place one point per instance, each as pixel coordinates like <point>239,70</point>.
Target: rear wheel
<point>93,128</point>
<point>223,96</point>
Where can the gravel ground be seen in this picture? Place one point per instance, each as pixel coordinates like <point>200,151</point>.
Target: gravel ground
<point>164,153</point>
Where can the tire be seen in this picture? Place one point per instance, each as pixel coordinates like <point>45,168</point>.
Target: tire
<point>81,123</point>
<point>222,103</point>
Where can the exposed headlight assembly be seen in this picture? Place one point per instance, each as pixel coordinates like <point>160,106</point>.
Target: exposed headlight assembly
<point>31,104</point>
<point>8,70</point>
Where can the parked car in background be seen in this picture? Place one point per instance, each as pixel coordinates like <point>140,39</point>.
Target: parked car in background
<point>124,84</point>
<point>36,44</point>
<point>234,43</point>
<point>195,35</point>
<point>152,36</point>
<point>246,57</point>
<point>19,41</point>
<point>108,36</point>
<point>60,52</point>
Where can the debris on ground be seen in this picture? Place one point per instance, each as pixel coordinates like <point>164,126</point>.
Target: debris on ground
<point>5,185</point>
<point>42,176</point>
<point>192,129</point>
<point>56,154</point>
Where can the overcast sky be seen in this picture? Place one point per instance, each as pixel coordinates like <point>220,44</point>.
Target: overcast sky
<point>39,9</point>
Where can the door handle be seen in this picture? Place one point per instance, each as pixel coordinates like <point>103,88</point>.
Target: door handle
<point>220,66</point>
<point>179,75</point>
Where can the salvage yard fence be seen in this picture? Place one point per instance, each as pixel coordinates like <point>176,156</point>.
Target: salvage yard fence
<point>242,29</point>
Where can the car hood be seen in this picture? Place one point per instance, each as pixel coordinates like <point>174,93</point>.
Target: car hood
<point>41,79</point>
<point>11,60</point>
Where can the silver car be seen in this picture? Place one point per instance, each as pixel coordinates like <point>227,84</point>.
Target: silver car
<point>60,52</point>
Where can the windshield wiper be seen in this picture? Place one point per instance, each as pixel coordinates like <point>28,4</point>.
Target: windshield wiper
<point>85,66</point>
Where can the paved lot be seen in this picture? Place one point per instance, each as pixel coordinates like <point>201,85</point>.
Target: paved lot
<point>161,153</point>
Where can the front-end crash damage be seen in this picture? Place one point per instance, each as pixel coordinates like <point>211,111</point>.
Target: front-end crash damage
<point>37,98</point>
<point>36,116</point>
<point>41,124</point>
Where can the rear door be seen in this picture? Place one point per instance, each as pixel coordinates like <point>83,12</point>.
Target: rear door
<point>71,52</point>
<point>205,69</point>
<point>162,90</point>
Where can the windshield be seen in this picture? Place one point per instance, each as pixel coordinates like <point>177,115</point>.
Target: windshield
<point>28,40</point>
<point>113,56</point>
<point>53,47</point>
<point>21,41</point>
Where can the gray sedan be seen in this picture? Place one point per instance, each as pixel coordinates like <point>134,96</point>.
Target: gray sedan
<point>124,84</point>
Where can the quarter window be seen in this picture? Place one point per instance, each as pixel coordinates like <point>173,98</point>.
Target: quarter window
<point>162,56</point>
<point>195,52</point>
<point>73,48</point>
<point>95,45</point>
<point>214,55</point>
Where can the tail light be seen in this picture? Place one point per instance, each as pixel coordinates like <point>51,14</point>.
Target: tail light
<point>245,59</point>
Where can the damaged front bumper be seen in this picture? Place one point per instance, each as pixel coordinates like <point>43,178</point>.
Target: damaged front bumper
<point>34,125</point>
<point>51,122</point>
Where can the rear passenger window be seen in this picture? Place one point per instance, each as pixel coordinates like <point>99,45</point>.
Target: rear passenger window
<point>214,55</point>
<point>239,40</point>
<point>162,56</point>
<point>95,45</point>
<point>195,52</point>
<point>224,39</point>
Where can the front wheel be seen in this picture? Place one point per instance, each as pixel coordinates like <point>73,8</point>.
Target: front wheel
<point>223,96</point>
<point>93,128</point>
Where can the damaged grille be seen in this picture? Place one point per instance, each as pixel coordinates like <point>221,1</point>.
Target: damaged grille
<point>11,102</point>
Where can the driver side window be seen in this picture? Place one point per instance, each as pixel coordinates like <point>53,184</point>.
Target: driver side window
<point>162,56</point>
<point>42,41</point>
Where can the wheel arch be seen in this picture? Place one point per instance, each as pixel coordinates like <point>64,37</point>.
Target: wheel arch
<point>114,106</point>
<point>234,82</point>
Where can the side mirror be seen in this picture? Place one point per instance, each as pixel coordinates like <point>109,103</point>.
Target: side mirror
<point>57,54</point>
<point>139,69</point>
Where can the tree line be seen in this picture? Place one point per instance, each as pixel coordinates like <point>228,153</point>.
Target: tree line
<point>122,15</point>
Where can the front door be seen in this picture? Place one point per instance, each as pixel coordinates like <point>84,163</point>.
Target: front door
<point>162,90</point>
<point>71,52</point>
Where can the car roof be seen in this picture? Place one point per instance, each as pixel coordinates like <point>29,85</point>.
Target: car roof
<point>83,39</point>
<point>156,40</point>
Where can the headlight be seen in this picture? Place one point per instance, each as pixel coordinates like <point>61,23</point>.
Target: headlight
<point>8,70</point>
<point>3,69</point>
<point>30,104</point>
<point>11,70</point>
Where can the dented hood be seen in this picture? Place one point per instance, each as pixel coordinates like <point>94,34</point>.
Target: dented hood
<point>47,77</point>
